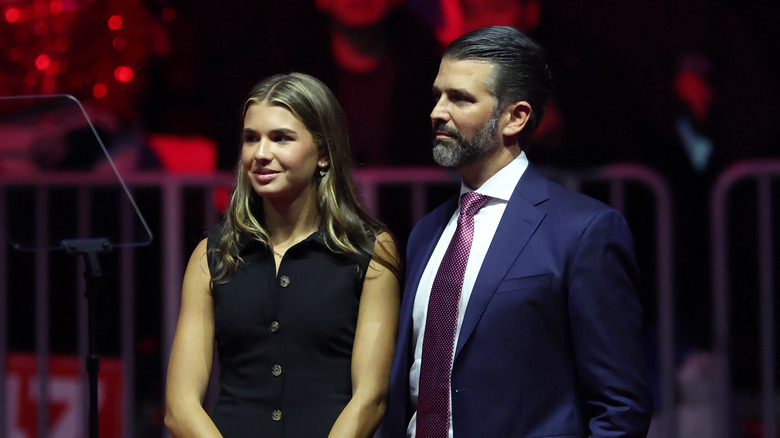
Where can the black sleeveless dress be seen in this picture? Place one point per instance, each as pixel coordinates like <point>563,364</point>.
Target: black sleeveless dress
<point>285,340</point>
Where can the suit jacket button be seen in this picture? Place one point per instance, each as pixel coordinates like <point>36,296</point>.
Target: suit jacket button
<point>276,415</point>
<point>284,281</point>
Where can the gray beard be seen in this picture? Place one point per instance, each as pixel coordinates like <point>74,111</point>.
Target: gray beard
<point>467,150</point>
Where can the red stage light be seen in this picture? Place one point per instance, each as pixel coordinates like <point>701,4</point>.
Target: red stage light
<point>123,74</point>
<point>99,91</point>
<point>42,62</point>
<point>12,15</point>
<point>55,7</point>
<point>115,22</point>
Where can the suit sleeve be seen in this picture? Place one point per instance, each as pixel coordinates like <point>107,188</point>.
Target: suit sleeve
<point>606,324</point>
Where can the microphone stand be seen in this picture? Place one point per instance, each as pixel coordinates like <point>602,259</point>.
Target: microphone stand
<point>90,248</point>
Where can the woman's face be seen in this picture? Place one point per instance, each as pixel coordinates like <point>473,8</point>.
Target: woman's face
<point>278,153</point>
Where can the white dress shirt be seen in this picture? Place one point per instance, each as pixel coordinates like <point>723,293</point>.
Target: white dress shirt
<point>499,187</point>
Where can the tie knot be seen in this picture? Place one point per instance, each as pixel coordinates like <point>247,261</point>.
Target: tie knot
<point>471,202</point>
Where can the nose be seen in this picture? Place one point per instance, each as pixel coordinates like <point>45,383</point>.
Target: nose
<point>439,113</point>
<point>263,150</point>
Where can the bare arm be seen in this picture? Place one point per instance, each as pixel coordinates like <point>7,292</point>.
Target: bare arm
<point>372,353</point>
<point>192,354</point>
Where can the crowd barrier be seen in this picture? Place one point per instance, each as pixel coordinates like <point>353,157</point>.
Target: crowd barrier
<point>181,207</point>
<point>760,175</point>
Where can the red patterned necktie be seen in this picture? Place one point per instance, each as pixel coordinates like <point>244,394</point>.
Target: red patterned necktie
<point>433,401</point>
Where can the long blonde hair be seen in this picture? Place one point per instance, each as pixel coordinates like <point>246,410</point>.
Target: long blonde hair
<point>344,222</point>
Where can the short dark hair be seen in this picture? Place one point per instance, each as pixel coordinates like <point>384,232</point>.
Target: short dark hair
<point>520,69</point>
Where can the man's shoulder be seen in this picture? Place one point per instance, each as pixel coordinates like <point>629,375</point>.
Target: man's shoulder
<point>574,211</point>
<point>575,200</point>
<point>561,202</point>
<point>538,188</point>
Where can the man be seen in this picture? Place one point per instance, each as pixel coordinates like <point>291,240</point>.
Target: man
<point>520,316</point>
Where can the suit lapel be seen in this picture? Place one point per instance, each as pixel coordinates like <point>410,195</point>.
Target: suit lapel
<point>518,223</point>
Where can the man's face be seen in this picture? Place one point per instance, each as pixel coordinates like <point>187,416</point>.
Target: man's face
<point>464,118</point>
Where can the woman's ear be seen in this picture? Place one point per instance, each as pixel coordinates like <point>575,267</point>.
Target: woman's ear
<point>323,159</point>
<point>519,115</point>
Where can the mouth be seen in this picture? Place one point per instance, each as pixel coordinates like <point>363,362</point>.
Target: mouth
<point>440,135</point>
<point>441,132</point>
<point>264,175</point>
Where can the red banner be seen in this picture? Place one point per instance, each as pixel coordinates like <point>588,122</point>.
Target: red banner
<point>68,397</point>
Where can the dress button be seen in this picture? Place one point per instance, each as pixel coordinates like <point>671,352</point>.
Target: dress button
<point>284,281</point>
<point>274,327</point>
<point>276,415</point>
<point>276,370</point>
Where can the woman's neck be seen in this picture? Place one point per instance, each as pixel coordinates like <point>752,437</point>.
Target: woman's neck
<point>289,223</point>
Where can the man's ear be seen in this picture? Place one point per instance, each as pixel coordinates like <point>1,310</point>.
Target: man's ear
<point>518,116</point>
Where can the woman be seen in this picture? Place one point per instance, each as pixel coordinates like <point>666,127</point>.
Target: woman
<point>298,286</point>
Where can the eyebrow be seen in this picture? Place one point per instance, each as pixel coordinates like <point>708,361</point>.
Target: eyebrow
<point>274,131</point>
<point>460,91</point>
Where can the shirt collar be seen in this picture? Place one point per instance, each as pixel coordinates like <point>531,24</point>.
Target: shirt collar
<point>502,184</point>
<point>248,244</point>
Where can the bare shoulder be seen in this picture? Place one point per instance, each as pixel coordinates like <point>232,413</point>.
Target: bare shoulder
<point>198,265</point>
<point>381,285</point>
<point>201,248</point>
<point>200,251</point>
<point>385,254</point>
<point>385,245</point>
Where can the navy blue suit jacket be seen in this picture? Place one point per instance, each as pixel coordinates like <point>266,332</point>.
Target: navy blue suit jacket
<point>551,342</point>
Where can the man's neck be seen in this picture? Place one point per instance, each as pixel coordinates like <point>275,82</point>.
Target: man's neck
<point>477,173</point>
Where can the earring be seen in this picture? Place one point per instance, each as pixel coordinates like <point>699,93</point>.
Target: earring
<point>323,170</point>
